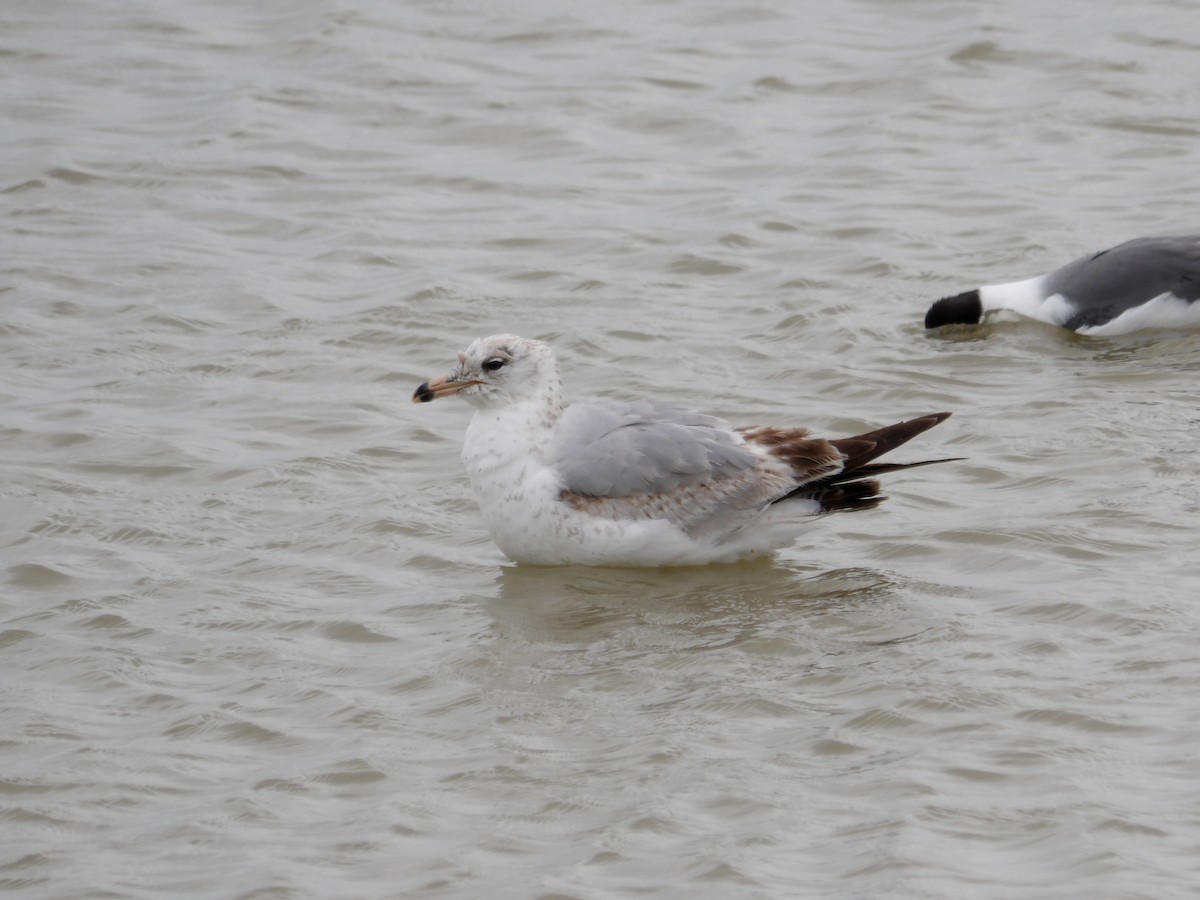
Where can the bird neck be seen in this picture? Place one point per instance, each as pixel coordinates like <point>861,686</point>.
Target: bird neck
<point>519,431</point>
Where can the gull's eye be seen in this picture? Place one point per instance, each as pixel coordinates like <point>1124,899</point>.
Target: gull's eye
<point>494,365</point>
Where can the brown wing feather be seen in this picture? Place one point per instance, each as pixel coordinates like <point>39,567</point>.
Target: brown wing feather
<point>806,457</point>
<point>850,482</point>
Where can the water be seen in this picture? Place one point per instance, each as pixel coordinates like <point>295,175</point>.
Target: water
<point>254,642</point>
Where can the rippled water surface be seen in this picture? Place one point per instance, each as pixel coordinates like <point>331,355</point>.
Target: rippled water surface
<point>254,641</point>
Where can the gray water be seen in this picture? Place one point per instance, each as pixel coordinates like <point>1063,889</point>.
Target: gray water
<point>254,641</point>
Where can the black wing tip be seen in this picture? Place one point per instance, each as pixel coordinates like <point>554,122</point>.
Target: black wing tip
<point>884,440</point>
<point>862,449</point>
<point>921,424</point>
<point>961,309</point>
<point>856,486</point>
<point>849,496</point>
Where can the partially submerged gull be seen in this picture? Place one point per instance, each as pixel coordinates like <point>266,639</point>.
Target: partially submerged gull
<point>1144,283</point>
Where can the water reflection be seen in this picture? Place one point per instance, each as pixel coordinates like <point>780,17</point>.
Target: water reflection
<point>685,608</point>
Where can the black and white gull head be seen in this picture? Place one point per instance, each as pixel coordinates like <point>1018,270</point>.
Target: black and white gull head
<point>1144,283</point>
<point>606,482</point>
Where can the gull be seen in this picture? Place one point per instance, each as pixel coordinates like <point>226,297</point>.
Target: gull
<point>604,482</point>
<point>1149,282</point>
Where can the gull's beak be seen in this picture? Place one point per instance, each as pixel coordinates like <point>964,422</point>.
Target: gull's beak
<point>443,386</point>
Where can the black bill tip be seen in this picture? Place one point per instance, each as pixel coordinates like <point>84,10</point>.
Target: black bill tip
<point>423,394</point>
<point>961,309</point>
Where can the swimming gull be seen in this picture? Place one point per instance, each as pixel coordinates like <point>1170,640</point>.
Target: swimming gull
<point>605,482</point>
<point>1144,283</point>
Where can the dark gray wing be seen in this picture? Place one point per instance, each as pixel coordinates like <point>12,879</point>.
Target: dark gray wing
<point>609,448</point>
<point>1104,285</point>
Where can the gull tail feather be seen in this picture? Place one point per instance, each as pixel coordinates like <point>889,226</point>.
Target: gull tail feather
<point>855,486</point>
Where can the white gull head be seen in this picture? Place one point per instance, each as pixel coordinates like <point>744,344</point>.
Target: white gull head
<point>498,371</point>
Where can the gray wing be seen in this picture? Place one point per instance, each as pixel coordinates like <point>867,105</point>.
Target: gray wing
<point>1104,285</point>
<point>608,448</point>
<point>638,461</point>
